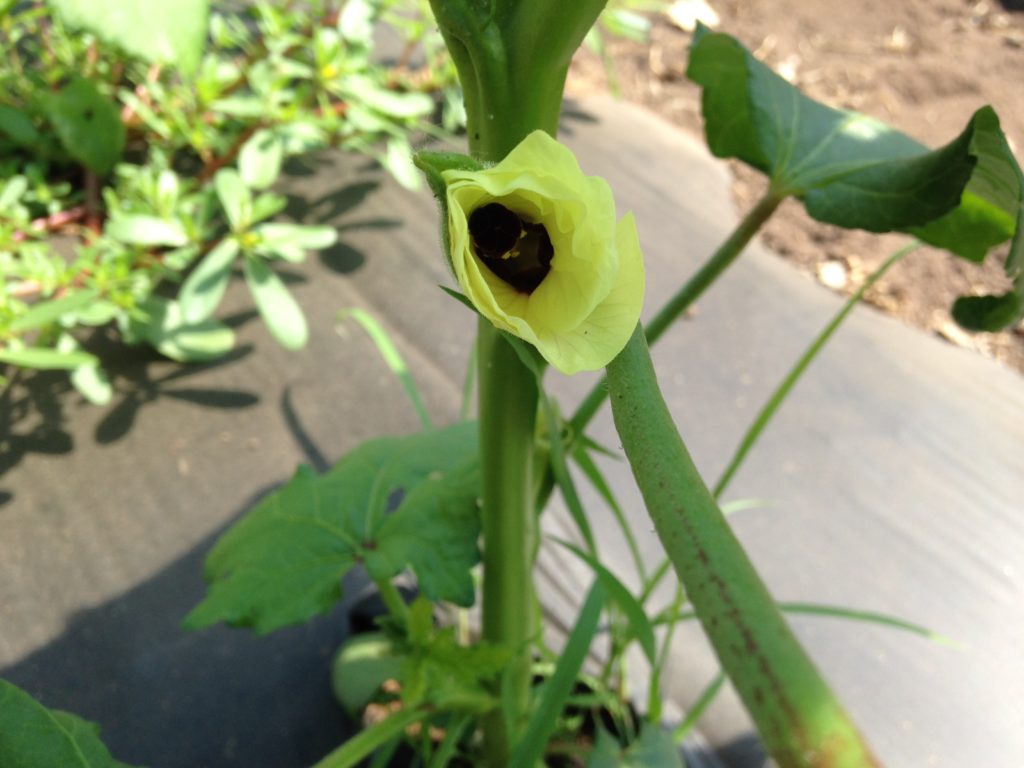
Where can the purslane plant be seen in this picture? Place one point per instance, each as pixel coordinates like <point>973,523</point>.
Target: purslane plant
<point>509,225</point>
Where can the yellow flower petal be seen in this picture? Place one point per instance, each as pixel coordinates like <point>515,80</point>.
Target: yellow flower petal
<point>584,310</point>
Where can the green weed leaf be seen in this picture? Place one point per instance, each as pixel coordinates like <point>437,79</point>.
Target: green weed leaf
<point>17,126</point>
<point>145,230</point>
<point>88,125</point>
<point>291,241</point>
<point>163,326</point>
<point>46,312</point>
<point>46,359</point>
<point>277,306</point>
<point>235,198</point>
<point>33,735</point>
<point>283,562</point>
<point>170,31</point>
<point>259,160</point>
<point>204,288</point>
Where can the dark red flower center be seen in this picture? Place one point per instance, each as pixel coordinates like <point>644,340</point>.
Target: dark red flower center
<point>516,250</point>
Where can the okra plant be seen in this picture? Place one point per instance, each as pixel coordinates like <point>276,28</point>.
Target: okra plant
<point>554,274</point>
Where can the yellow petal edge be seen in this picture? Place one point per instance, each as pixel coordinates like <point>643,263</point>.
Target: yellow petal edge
<point>584,311</point>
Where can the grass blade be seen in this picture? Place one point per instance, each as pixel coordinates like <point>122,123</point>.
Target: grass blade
<point>389,352</point>
<point>362,744</point>
<point>593,474</point>
<point>559,686</point>
<point>787,384</point>
<point>623,598</point>
<point>699,707</point>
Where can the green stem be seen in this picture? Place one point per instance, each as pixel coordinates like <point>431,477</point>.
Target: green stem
<point>787,384</point>
<point>720,260</point>
<point>508,408</point>
<point>358,747</point>
<point>800,721</point>
<point>392,599</point>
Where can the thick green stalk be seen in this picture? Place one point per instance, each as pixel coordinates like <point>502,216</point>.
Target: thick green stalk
<point>683,299</point>
<point>508,408</point>
<point>787,384</point>
<point>799,719</point>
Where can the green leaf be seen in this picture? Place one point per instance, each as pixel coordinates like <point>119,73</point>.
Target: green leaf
<point>163,326</point>
<point>88,125</point>
<point>851,170</point>
<point>204,288</point>
<point>46,312</point>
<point>355,22</point>
<point>291,241</point>
<point>441,556</point>
<point>170,31</point>
<point>90,379</point>
<point>283,562</point>
<point>653,749</point>
<point>364,743</point>
<point>97,313</point>
<point>46,359</point>
<point>277,306</point>
<point>989,313</point>
<point>394,104</point>
<point>439,670</point>
<point>93,383</point>
<point>235,198</point>
<point>17,126</point>
<point>34,736</point>
<point>142,229</point>
<point>398,162</point>
<point>259,160</point>
<point>854,171</point>
<point>557,688</point>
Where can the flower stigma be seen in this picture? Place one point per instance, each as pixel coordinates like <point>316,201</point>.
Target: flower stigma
<point>514,249</point>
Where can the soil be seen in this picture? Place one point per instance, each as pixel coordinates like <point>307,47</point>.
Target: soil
<point>923,67</point>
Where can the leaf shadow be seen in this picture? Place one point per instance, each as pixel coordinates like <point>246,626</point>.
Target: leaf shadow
<point>224,696</point>
<point>138,387</point>
<point>32,418</point>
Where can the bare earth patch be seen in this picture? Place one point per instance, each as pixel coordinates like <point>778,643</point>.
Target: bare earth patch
<point>922,67</point>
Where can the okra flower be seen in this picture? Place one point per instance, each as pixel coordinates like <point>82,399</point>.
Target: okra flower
<point>537,249</point>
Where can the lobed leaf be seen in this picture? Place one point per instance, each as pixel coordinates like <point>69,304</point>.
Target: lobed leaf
<point>857,172</point>
<point>654,748</point>
<point>283,562</point>
<point>33,735</point>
